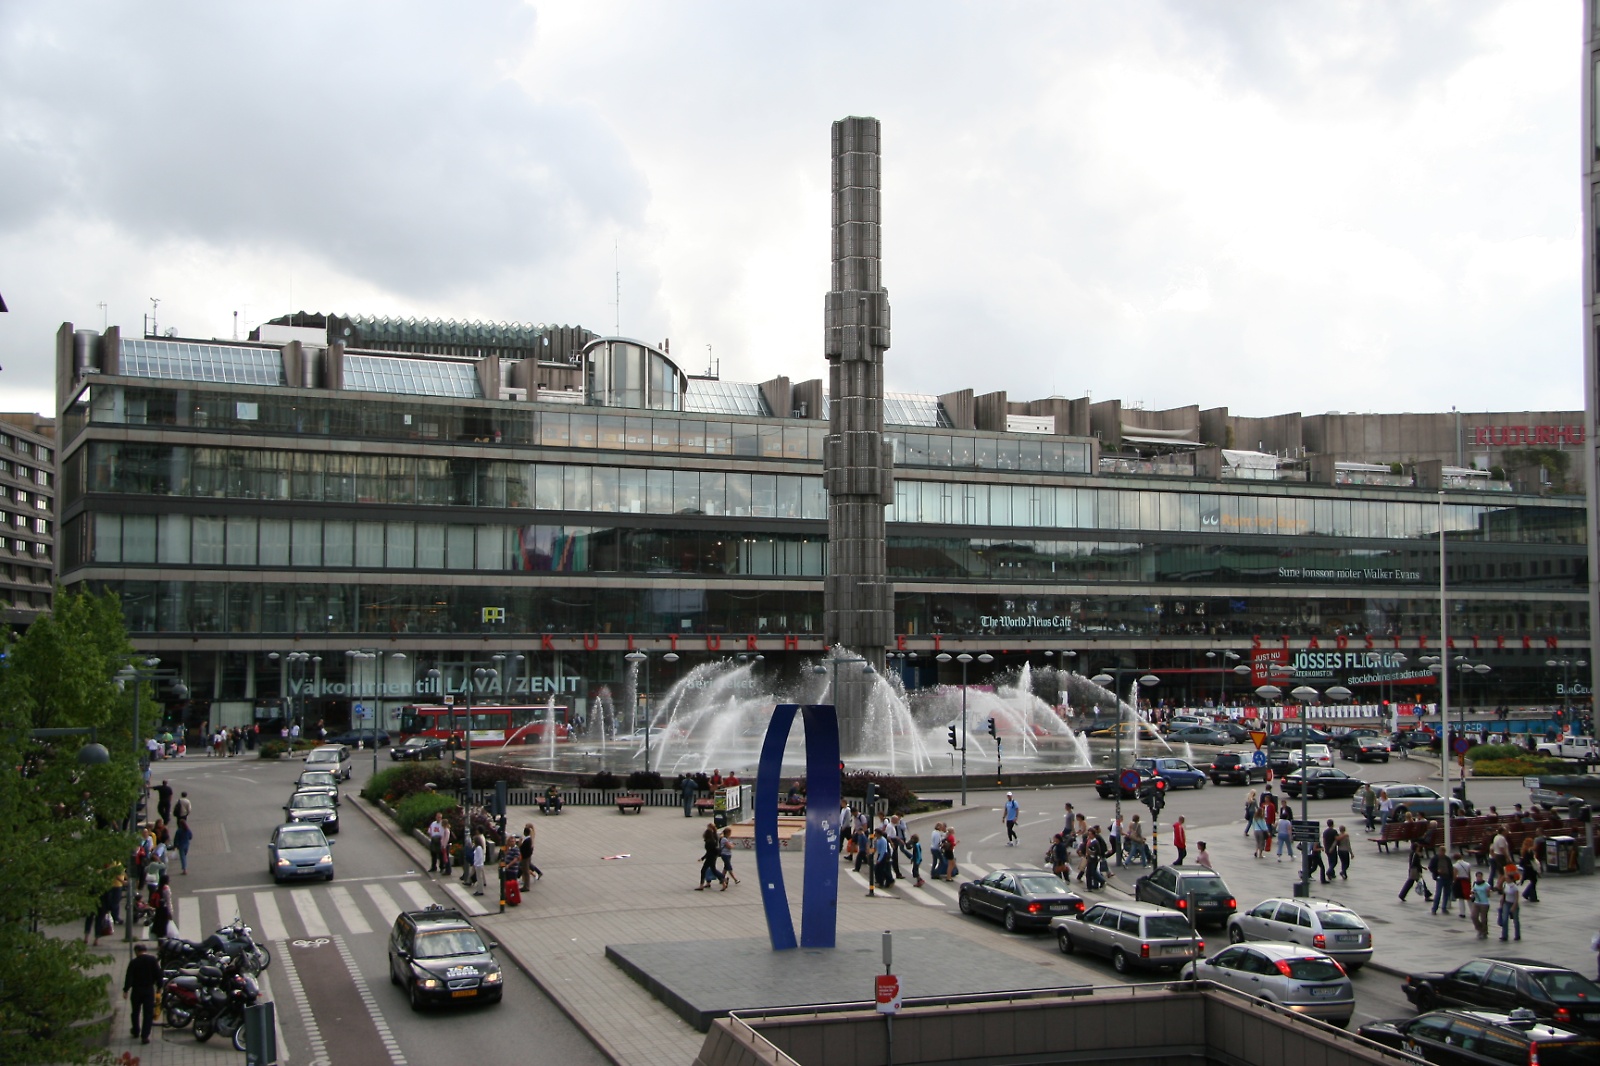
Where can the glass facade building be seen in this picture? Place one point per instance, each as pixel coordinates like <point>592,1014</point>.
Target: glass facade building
<point>422,505</point>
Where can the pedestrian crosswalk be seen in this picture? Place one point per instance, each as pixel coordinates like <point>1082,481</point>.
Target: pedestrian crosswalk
<point>318,911</point>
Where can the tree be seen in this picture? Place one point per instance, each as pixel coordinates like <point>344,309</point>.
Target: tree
<point>61,839</point>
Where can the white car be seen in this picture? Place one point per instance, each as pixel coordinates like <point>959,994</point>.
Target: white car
<point>334,758</point>
<point>1329,927</point>
<point>1302,979</point>
<point>1571,747</point>
<point>1315,754</point>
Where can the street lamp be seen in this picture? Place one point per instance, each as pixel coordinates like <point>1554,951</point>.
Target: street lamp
<point>1306,695</point>
<point>1225,658</point>
<point>122,677</point>
<point>364,655</point>
<point>964,658</point>
<point>297,661</point>
<point>469,683</point>
<point>1105,680</point>
<point>641,657</point>
<point>1566,685</point>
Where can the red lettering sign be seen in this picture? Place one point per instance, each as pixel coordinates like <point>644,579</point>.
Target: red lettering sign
<point>545,643</point>
<point>791,642</point>
<point>591,642</point>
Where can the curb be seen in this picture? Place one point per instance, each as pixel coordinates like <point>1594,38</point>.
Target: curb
<point>386,826</point>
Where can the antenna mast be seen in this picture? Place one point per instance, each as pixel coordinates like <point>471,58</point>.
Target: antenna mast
<point>616,253</point>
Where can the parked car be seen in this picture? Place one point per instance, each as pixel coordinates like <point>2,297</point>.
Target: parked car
<point>1108,783</point>
<point>315,807</point>
<point>1131,935</point>
<point>1146,731</point>
<point>1417,737</point>
<point>1238,733</point>
<point>1329,927</point>
<point>318,781</point>
<point>1236,767</point>
<point>1322,782</point>
<point>1306,981</point>
<point>1554,994</point>
<point>335,758</point>
<point>1174,887</point>
<point>1290,734</point>
<point>1183,721</point>
<point>1484,1038</point>
<point>1179,773</point>
<point>1022,899</point>
<point>299,850</point>
<point>1570,747</point>
<point>1419,798</point>
<point>1314,754</point>
<point>1364,745</point>
<point>359,738</point>
<point>438,956</point>
<point>1198,734</point>
<point>417,749</point>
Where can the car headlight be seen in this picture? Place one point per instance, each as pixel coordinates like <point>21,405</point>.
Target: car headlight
<point>326,860</point>
<point>492,978</point>
<point>427,982</point>
<point>284,862</point>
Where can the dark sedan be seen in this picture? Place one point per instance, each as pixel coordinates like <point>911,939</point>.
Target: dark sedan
<point>1180,887</point>
<point>1239,767</point>
<point>418,748</point>
<point>313,807</point>
<point>359,738</point>
<point>1107,783</point>
<point>1363,745</point>
<point>1484,1038</point>
<point>1554,993</point>
<point>1198,734</point>
<point>1322,782</point>
<point>1022,899</point>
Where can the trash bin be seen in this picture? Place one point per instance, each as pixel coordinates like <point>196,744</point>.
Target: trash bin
<point>1561,855</point>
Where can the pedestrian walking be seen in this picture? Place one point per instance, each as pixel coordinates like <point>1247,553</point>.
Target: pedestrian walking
<point>435,840</point>
<point>1136,846</point>
<point>165,908</point>
<point>444,846</point>
<point>1251,806</point>
<point>139,984</point>
<point>1511,904</point>
<point>880,862</point>
<point>1443,872</point>
<point>1066,829</point>
<point>950,866</point>
<point>525,853</point>
<point>182,807</point>
<point>1285,838</point>
<point>479,853</point>
<point>725,853</point>
<point>916,861</point>
<point>1058,857</point>
<point>164,801</point>
<point>896,830</point>
<point>1202,857</point>
<point>1530,873</point>
<point>1369,806</point>
<point>181,840</point>
<point>1180,839</point>
<point>1414,871</point>
<point>936,850</point>
<point>689,789</point>
<point>1461,869</point>
<point>1094,854</point>
<point>1012,811</point>
<point>1480,906</point>
<point>1259,830</point>
<point>1118,843</point>
<point>1385,807</point>
<point>711,852</point>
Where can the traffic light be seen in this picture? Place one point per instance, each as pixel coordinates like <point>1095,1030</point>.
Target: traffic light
<point>952,733</point>
<point>992,731</point>
<point>1153,791</point>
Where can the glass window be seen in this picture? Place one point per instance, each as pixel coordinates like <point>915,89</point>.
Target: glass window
<point>1029,454</point>
<point>713,492</point>
<point>210,536</point>
<point>686,492</point>
<point>796,443</point>
<point>658,492</point>
<point>400,538</point>
<point>107,538</point>
<point>458,547</point>
<point>306,548</point>
<point>739,499</point>
<point>274,542</point>
<point>999,504</point>
<point>814,500</point>
<point>577,485</point>
<point>770,441</point>
<point>664,434</point>
<point>763,496</point>
<point>718,438</point>
<point>603,491</point>
<point>939,450</point>
<point>610,431</point>
<point>1051,452</point>
<point>338,543</point>
<point>985,453</point>
<point>631,491</point>
<point>636,433</point>
<point>491,547</point>
<point>430,546</point>
<point>173,543</point>
<point>788,496</point>
<point>585,432</point>
<point>369,545</point>
<point>555,429</point>
<point>549,491</point>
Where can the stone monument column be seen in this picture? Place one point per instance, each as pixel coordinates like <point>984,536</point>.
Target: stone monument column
<point>858,599</point>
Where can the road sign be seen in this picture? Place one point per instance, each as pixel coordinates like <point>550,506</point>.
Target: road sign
<point>1258,737</point>
<point>886,986</point>
<point>1460,745</point>
<point>1129,779</point>
<point>1305,832</point>
<point>1259,758</point>
<point>357,711</point>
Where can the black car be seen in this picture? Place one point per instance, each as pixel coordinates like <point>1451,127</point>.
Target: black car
<point>438,956</point>
<point>1322,782</point>
<point>1290,736</point>
<point>1364,745</point>
<point>1176,887</point>
<point>1554,993</point>
<point>419,748</point>
<point>1022,899</point>
<point>315,807</point>
<point>359,738</point>
<point>1238,767</point>
<point>1107,783</point>
<point>1481,1038</point>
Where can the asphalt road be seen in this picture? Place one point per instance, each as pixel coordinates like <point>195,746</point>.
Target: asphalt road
<point>329,975</point>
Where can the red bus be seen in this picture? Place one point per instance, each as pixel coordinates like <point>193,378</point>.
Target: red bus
<point>491,726</point>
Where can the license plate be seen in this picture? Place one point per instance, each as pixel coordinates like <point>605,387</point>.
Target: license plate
<point>1061,906</point>
<point>1175,949</point>
<point>1348,938</point>
<point>465,992</point>
<point>1324,991</point>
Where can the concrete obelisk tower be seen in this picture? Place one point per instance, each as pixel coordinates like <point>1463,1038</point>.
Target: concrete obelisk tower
<point>858,599</point>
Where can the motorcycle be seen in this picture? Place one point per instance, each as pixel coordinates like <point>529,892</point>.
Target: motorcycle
<point>234,941</point>
<point>213,998</point>
<point>184,990</point>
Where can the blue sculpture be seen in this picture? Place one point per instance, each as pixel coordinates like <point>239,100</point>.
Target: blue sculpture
<point>819,907</point>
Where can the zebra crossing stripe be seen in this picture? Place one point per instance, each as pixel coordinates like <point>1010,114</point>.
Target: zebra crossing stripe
<point>417,893</point>
<point>385,902</point>
<point>971,869</point>
<point>271,922</point>
<point>349,911</point>
<point>310,916</point>
<point>925,897</point>
<point>390,1044</point>
<point>227,907</point>
<point>464,899</point>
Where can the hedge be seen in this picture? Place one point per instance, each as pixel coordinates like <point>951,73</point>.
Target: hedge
<point>415,812</point>
<point>1523,766</point>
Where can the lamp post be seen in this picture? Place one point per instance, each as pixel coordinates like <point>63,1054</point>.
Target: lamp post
<point>1115,683</point>
<point>964,658</point>
<point>1440,668</point>
<point>469,682</point>
<point>298,661</point>
<point>1225,658</point>
<point>641,657</point>
<point>364,655</point>
<point>1306,695</point>
<point>1566,685</point>
<point>138,677</point>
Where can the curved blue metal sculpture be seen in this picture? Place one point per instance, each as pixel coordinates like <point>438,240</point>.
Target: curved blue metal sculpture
<point>819,906</point>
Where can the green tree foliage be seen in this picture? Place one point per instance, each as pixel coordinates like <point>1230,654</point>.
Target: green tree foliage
<point>60,839</point>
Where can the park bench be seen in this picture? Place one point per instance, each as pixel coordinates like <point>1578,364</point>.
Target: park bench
<point>704,805</point>
<point>791,808</point>
<point>1399,833</point>
<point>630,804</point>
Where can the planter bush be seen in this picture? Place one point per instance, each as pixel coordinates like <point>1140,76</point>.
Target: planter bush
<point>415,812</point>
<point>1497,751</point>
<point>854,786</point>
<point>272,749</point>
<point>1522,766</point>
<point>645,780</point>
<point>605,780</point>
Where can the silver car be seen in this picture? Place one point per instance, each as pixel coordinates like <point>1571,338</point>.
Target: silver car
<point>1330,927</point>
<point>299,851</point>
<point>1132,935</point>
<point>1305,981</point>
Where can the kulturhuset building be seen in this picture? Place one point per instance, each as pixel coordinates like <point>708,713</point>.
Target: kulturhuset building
<point>442,492</point>
<point>27,517</point>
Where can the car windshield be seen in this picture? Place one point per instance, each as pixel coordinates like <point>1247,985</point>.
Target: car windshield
<point>416,742</point>
<point>1160,925</point>
<point>323,756</point>
<point>1342,920</point>
<point>1568,1053</point>
<point>1041,886</point>
<point>446,942</point>
<point>1564,984</point>
<point>318,780</point>
<point>302,838</point>
<point>301,800</point>
<point>1309,969</point>
<point>1227,760</point>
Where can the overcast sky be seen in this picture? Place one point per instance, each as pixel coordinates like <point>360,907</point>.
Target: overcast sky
<point>1268,206</point>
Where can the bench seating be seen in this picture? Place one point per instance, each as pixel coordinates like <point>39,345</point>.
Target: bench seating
<point>630,804</point>
<point>791,808</point>
<point>704,805</point>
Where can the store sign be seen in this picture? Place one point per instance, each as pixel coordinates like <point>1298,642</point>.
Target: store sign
<point>1025,621</point>
<point>1526,436</point>
<point>1367,574</point>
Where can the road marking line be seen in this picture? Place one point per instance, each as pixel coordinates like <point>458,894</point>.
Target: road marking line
<point>864,883</point>
<point>972,869</point>
<point>345,904</point>
<point>272,927</point>
<point>418,895</point>
<point>310,916</point>
<point>381,898</point>
<point>390,1044</point>
<point>943,890</point>
<point>464,898</point>
<point>227,906</point>
<point>924,896</point>
<point>297,993</point>
<point>346,880</point>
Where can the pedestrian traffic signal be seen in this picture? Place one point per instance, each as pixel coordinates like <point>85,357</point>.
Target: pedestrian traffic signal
<point>992,731</point>
<point>953,743</point>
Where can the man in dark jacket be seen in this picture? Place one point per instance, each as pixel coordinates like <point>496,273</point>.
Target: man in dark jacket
<point>139,986</point>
